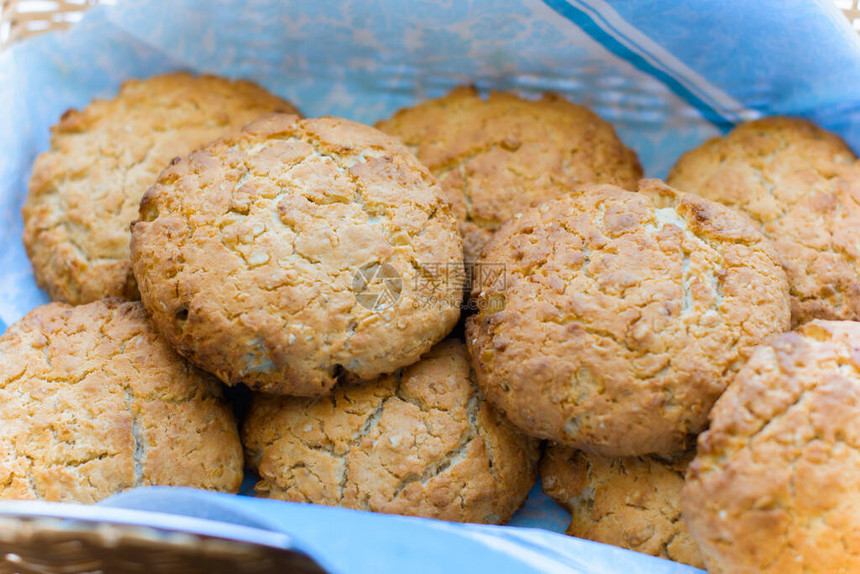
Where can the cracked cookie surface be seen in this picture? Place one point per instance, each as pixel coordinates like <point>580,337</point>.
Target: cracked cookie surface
<point>93,402</point>
<point>495,157</point>
<point>773,486</point>
<point>248,254</point>
<point>421,442</point>
<point>86,189</point>
<point>802,185</point>
<point>623,316</point>
<point>631,502</point>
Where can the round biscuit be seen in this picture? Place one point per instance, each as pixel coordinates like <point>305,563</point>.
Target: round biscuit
<point>801,184</point>
<point>296,252</point>
<point>421,442</point>
<point>496,156</point>
<point>93,402</point>
<point>85,190</point>
<point>773,485</point>
<point>620,317</point>
<point>631,502</point>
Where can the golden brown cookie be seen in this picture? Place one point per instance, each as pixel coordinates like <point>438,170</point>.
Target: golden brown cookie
<point>773,488</point>
<point>297,251</point>
<point>631,502</point>
<point>802,185</point>
<point>421,442</point>
<point>495,157</point>
<point>621,316</point>
<point>86,189</point>
<point>93,401</point>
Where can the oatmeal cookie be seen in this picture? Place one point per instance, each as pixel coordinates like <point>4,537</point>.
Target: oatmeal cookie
<point>495,157</point>
<point>773,488</point>
<point>631,502</point>
<point>622,316</point>
<point>421,442</point>
<point>85,190</point>
<point>93,401</point>
<point>801,184</point>
<point>297,251</point>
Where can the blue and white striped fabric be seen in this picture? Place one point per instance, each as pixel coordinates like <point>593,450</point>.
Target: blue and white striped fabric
<point>738,61</point>
<point>355,542</point>
<point>667,73</point>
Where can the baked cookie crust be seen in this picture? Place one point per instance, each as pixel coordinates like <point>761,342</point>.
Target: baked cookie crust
<point>85,190</point>
<point>421,442</point>
<point>623,316</point>
<point>497,156</point>
<point>773,486</point>
<point>802,185</point>
<point>93,402</point>
<point>631,502</point>
<point>254,254</point>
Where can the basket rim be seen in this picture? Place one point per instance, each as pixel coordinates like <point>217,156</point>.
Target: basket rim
<point>20,19</point>
<point>146,519</point>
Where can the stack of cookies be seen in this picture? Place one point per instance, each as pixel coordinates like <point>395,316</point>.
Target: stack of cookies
<point>417,306</point>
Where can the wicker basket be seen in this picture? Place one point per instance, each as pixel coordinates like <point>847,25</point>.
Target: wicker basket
<point>22,18</point>
<point>35,544</point>
<point>851,8</point>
